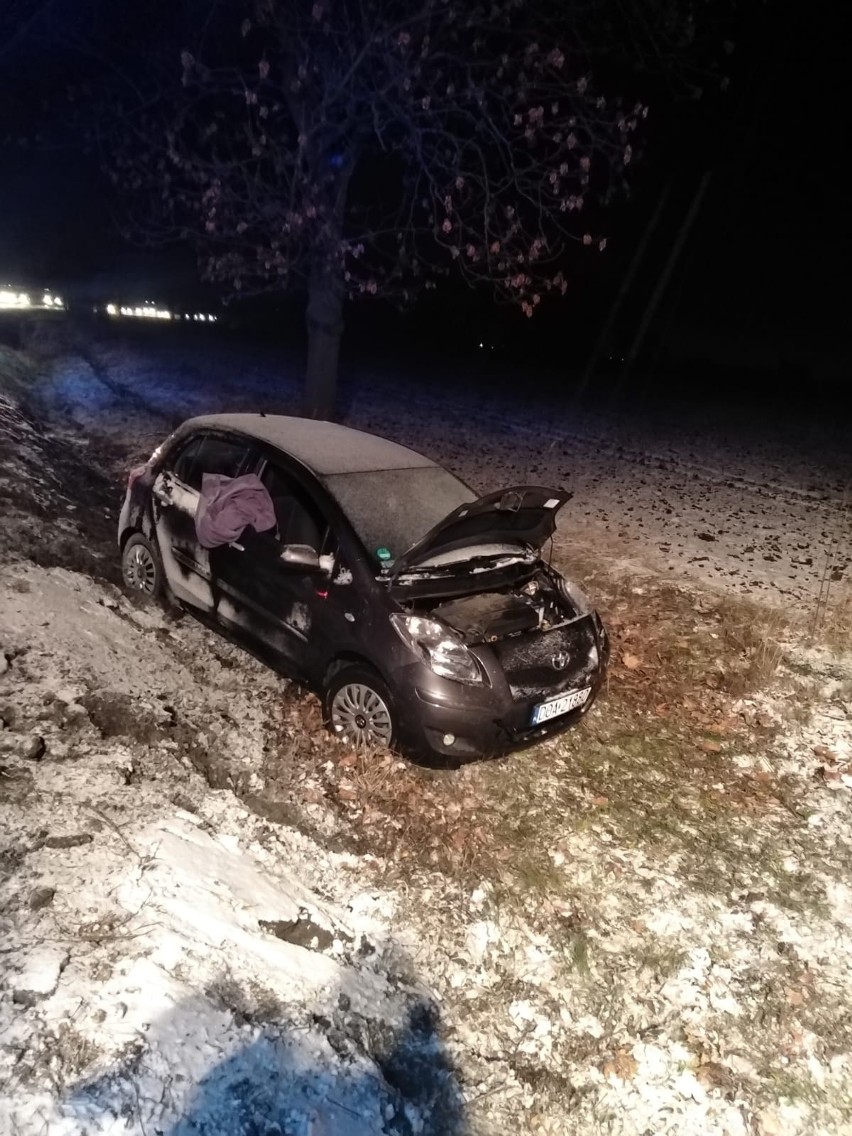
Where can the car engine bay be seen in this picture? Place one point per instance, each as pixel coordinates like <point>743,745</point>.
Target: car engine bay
<point>544,602</point>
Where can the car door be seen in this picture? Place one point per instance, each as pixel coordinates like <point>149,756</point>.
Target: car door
<point>176,492</point>
<point>279,605</point>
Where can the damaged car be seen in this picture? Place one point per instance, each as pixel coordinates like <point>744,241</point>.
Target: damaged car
<point>425,617</point>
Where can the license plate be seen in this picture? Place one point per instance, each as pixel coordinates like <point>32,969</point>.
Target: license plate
<point>546,711</point>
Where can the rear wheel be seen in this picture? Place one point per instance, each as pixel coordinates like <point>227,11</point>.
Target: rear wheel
<point>141,567</point>
<point>359,708</point>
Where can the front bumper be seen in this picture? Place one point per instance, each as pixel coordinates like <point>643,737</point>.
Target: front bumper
<point>451,720</point>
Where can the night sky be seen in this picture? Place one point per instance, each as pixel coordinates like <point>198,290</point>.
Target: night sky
<point>762,275</point>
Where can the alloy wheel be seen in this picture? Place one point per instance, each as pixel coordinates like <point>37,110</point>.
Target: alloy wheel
<point>140,570</point>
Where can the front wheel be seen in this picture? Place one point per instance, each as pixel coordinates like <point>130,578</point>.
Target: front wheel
<point>141,567</point>
<point>359,708</point>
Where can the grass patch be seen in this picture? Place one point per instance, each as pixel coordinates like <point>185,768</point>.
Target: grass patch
<point>753,638</point>
<point>835,629</point>
<point>67,1054</point>
<point>789,1085</point>
<point>672,643</point>
<point>651,778</point>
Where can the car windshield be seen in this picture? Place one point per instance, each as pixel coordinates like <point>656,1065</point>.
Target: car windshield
<point>392,509</point>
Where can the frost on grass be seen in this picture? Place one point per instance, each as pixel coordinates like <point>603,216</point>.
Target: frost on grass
<point>162,986</point>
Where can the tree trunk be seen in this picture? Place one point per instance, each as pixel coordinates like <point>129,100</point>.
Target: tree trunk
<point>325,327</point>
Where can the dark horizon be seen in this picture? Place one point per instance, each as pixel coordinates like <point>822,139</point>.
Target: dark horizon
<point>758,282</point>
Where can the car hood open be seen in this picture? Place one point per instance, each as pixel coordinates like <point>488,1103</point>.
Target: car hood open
<point>524,515</point>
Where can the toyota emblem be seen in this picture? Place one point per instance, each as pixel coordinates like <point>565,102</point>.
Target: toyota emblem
<point>560,661</point>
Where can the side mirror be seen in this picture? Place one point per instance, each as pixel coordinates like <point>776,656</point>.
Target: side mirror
<point>301,558</point>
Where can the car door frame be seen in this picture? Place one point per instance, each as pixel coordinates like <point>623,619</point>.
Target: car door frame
<point>268,625</point>
<point>188,572</point>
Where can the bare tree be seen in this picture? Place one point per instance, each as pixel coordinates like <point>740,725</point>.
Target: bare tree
<point>367,147</point>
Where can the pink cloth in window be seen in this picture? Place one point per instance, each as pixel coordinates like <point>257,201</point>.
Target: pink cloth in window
<point>228,505</point>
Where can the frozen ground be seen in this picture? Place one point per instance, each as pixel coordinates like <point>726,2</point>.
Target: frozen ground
<point>756,502</point>
<point>214,919</point>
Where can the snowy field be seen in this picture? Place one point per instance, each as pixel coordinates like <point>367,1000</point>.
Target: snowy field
<point>756,502</point>
<point>214,919</point>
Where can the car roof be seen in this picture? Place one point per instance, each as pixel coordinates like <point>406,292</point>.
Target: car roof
<point>326,448</point>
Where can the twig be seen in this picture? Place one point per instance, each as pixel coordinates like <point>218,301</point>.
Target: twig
<point>102,815</point>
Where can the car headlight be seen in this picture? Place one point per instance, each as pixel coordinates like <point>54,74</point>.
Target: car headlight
<point>574,596</point>
<point>439,646</point>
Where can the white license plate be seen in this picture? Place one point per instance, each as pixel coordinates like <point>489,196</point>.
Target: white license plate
<point>545,711</point>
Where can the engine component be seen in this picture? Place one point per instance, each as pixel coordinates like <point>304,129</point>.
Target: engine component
<point>491,615</point>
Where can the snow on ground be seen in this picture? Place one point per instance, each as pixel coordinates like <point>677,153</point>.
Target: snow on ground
<point>758,503</point>
<point>170,961</point>
<point>213,919</point>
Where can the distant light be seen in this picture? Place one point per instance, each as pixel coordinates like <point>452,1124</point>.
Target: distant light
<point>149,310</point>
<point>482,345</point>
<point>10,299</point>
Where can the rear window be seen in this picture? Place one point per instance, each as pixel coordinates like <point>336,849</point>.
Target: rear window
<point>392,509</point>
<point>209,454</point>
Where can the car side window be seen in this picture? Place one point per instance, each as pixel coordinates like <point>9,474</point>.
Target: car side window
<point>184,464</point>
<point>299,520</point>
<point>209,454</point>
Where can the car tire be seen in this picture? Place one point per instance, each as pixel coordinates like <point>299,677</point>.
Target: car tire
<point>142,568</point>
<point>359,709</point>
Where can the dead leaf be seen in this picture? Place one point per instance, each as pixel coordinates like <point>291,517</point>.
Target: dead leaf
<point>706,746</point>
<point>347,792</point>
<point>713,1075</point>
<point>631,661</point>
<point>831,775</point>
<point>795,997</point>
<point>348,759</point>
<point>825,754</point>
<point>623,1065</point>
<point>599,802</point>
<point>721,727</point>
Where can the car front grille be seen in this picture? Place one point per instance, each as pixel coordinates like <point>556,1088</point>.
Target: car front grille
<point>542,664</point>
